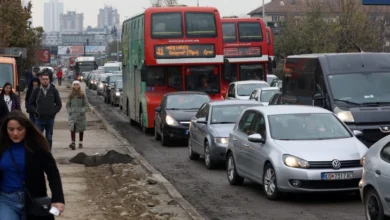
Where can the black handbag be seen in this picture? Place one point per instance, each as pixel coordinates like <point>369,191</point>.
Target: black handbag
<point>39,206</point>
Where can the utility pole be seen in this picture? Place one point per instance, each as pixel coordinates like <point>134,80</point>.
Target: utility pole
<point>264,14</point>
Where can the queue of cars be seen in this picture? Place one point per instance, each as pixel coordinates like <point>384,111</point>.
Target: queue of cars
<point>324,130</point>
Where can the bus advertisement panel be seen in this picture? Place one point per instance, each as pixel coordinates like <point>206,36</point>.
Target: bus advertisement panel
<point>247,53</point>
<point>169,49</point>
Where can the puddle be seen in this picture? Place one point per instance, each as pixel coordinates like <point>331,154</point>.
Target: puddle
<point>111,157</point>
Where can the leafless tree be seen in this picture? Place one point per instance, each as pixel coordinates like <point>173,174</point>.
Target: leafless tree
<point>162,3</point>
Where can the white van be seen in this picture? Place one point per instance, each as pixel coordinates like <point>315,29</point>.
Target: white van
<point>110,67</point>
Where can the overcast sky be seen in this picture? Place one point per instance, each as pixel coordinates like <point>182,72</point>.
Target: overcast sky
<point>128,8</point>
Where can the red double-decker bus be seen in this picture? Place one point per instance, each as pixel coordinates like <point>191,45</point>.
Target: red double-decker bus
<point>169,49</point>
<point>248,50</point>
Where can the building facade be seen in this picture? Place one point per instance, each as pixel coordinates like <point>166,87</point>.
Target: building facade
<point>52,11</point>
<point>51,39</point>
<point>72,22</point>
<point>108,17</point>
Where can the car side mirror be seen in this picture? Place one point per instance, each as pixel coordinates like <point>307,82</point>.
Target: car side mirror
<point>201,121</point>
<point>319,100</point>
<point>357,133</point>
<point>158,109</point>
<point>256,138</point>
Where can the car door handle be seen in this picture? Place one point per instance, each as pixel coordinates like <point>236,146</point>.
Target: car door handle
<point>378,172</point>
<point>234,139</point>
<point>246,145</point>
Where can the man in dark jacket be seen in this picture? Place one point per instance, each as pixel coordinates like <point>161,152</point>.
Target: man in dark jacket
<point>45,103</point>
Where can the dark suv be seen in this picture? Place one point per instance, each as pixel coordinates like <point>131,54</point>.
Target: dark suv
<point>111,79</point>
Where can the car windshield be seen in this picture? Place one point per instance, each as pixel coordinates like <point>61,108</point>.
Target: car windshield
<point>113,79</point>
<point>271,78</point>
<point>266,95</point>
<point>361,88</point>
<point>110,69</point>
<point>186,102</point>
<point>307,127</point>
<point>247,89</point>
<point>7,75</point>
<point>227,114</point>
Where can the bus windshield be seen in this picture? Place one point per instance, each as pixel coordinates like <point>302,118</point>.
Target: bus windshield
<point>250,32</point>
<point>202,79</point>
<point>229,32</point>
<point>251,72</point>
<point>86,67</point>
<point>165,25</point>
<point>7,74</point>
<point>201,24</point>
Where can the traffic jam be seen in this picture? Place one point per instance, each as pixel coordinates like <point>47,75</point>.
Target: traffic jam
<point>321,125</point>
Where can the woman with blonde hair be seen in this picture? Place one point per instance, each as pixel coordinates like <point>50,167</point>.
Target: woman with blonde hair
<point>77,106</point>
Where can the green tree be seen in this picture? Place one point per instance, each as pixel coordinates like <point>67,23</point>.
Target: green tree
<point>16,30</point>
<point>328,26</point>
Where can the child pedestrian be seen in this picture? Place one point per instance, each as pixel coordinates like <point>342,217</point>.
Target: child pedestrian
<point>77,106</point>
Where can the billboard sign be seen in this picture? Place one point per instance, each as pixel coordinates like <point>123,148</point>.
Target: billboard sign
<point>93,50</point>
<point>43,56</point>
<point>376,2</point>
<point>71,50</point>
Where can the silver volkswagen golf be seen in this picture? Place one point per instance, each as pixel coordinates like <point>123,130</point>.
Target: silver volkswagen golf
<point>294,149</point>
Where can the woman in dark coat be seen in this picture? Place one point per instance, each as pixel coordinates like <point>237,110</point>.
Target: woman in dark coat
<point>23,143</point>
<point>10,98</point>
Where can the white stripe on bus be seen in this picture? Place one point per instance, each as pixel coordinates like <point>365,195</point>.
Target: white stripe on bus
<point>249,59</point>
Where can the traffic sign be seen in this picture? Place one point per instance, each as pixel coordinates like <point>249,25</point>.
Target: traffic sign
<point>376,2</point>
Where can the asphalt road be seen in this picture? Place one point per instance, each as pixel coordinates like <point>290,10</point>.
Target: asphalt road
<point>209,191</point>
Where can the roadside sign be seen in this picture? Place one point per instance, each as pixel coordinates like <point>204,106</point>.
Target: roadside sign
<point>376,2</point>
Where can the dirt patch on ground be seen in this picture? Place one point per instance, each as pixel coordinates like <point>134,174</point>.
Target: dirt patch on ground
<point>125,191</point>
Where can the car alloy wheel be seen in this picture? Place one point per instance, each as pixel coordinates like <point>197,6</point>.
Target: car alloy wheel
<point>373,206</point>
<point>233,177</point>
<point>270,183</point>
<point>207,157</point>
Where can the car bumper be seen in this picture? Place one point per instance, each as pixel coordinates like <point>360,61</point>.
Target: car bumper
<point>218,152</point>
<point>310,180</point>
<point>176,132</point>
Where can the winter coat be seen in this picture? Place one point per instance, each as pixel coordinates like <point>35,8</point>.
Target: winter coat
<point>3,111</point>
<point>15,102</point>
<point>77,109</point>
<point>59,74</point>
<point>45,106</point>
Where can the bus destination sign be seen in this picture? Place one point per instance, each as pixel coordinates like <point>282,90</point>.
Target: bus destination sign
<point>242,52</point>
<point>184,51</point>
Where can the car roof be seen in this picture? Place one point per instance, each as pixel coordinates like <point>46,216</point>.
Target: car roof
<point>290,109</point>
<point>249,82</point>
<point>232,102</point>
<point>115,75</point>
<point>185,93</point>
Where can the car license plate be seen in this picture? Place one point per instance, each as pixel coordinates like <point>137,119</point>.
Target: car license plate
<point>337,176</point>
<point>186,132</point>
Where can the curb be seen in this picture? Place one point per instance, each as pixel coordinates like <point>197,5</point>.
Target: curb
<point>172,191</point>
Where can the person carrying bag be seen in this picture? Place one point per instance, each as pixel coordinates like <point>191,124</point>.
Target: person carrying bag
<point>25,158</point>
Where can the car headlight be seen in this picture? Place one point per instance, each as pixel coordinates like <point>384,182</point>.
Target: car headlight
<point>170,121</point>
<point>82,78</point>
<point>345,116</point>
<point>117,93</point>
<point>91,81</point>
<point>221,140</point>
<point>295,162</point>
<point>101,85</point>
<point>363,160</point>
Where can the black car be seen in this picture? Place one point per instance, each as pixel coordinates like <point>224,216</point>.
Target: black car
<point>173,116</point>
<point>111,79</point>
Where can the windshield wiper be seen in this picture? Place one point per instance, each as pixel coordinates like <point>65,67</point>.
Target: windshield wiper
<point>376,103</point>
<point>346,101</point>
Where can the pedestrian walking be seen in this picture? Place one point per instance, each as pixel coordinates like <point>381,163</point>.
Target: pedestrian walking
<point>25,158</point>
<point>59,76</point>
<point>77,107</point>
<point>3,111</point>
<point>10,98</point>
<point>45,103</point>
<point>34,84</point>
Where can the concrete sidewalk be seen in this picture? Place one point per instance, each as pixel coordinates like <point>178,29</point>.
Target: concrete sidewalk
<point>107,192</point>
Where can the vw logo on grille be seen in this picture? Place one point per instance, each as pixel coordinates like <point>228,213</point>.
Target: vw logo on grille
<point>336,164</point>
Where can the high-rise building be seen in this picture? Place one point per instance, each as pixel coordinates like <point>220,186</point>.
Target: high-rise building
<point>52,11</point>
<point>72,22</point>
<point>108,17</point>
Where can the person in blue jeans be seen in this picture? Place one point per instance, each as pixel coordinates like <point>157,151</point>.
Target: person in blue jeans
<point>25,158</point>
<point>45,103</point>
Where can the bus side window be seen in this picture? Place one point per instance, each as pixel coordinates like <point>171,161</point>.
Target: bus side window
<point>175,79</point>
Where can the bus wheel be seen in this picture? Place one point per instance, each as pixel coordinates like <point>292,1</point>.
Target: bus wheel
<point>132,122</point>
